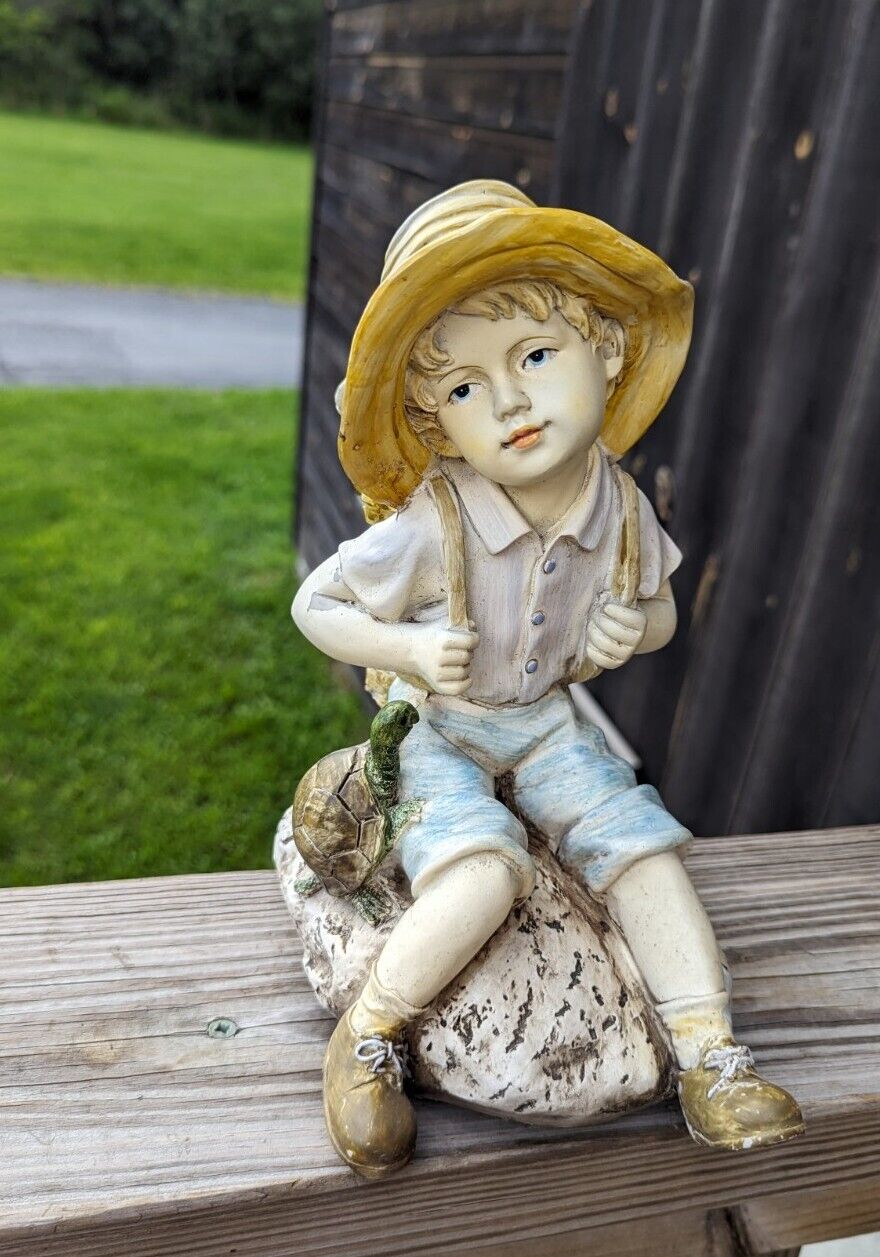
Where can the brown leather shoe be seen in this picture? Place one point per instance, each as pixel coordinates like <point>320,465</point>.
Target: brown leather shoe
<point>726,1104</point>
<point>371,1123</point>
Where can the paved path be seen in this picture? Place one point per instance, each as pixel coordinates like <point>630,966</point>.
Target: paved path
<point>74,334</point>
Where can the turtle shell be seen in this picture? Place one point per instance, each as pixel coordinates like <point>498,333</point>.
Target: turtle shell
<point>337,827</point>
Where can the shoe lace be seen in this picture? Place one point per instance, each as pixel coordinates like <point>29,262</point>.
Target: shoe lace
<point>382,1055</point>
<point>730,1060</point>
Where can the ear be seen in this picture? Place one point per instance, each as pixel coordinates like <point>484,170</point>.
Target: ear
<point>613,348</point>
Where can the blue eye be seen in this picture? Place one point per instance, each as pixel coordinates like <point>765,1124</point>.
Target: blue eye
<point>460,394</point>
<point>538,358</point>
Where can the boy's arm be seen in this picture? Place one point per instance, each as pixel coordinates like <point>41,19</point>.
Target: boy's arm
<point>617,632</point>
<point>662,618</point>
<point>325,611</point>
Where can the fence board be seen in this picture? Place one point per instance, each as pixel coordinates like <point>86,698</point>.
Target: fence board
<point>513,93</point>
<point>374,189</point>
<point>452,28</point>
<point>767,137</point>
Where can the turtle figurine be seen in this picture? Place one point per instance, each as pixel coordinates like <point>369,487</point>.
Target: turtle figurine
<point>345,815</point>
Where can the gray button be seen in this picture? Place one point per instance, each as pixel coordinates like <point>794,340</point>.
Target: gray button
<point>532,665</point>
<point>538,617</point>
<point>550,565</point>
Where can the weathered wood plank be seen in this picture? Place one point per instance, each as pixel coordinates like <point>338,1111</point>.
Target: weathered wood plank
<point>808,461</point>
<point>452,28</point>
<point>382,192</point>
<point>125,1125</point>
<point>709,217</point>
<point>306,417</point>
<point>349,245</point>
<point>424,147</point>
<point>778,1222</point>
<point>853,793</point>
<point>520,94</point>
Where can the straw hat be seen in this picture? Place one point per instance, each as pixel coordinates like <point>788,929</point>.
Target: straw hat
<point>471,237</point>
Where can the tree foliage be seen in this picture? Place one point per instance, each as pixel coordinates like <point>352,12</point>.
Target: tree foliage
<point>252,55</point>
<point>233,66</point>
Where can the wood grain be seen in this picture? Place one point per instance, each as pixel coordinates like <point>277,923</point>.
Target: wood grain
<point>509,93</point>
<point>125,1128</point>
<point>451,28</point>
<point>810,1217</point>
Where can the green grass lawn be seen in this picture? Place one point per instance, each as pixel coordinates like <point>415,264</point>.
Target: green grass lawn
<point>88,201</point>
<point>158,705</point>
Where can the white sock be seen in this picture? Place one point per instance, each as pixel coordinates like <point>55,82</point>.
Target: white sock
<point>379,1008</point>
<point>692,1020</point>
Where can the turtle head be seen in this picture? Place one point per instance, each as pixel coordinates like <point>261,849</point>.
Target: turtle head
<point>382,767</point>
<point>391,725</point>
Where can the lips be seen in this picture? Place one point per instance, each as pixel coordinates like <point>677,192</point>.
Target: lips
<point>524,438</point>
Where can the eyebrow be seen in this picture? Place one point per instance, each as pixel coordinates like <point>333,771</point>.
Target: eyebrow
<point>452,371</point>
<point>512,350</point>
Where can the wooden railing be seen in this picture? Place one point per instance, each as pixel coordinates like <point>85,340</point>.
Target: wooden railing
<point>161,1056</point>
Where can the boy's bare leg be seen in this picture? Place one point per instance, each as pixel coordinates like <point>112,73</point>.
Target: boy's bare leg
<point>726,1104</point>
<point>673,944</point>
<point>456,913</point>
<point>370,1120</point>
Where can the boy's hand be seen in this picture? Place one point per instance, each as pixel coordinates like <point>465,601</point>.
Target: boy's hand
<point>442,656</point>
<point>614,634</point>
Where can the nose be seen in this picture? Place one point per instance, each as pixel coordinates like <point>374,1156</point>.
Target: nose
<point>510,400</point>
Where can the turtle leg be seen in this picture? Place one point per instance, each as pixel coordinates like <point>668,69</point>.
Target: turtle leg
<point>372,903</point>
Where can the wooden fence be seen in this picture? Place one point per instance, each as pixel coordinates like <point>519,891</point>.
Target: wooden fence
<point>738,140</point>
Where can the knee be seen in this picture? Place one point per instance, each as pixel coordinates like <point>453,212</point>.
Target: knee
<point>492,873</point>
<point>482,881</point>
<point>662,871</point>
<point>494,883</point>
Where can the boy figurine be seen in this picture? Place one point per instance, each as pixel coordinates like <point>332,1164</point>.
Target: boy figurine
<point>516,352</point>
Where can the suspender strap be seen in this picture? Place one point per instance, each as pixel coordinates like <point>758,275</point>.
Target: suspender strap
<point>627,572</point>
<point>452,541</point>
<point>453,550</point>
<point>625,575</point>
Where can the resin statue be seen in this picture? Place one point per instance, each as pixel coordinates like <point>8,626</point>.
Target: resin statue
<point>510,355</point>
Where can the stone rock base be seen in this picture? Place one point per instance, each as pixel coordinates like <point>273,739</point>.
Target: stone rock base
<point>549,1023</point>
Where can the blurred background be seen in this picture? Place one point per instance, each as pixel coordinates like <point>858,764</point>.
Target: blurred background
<point>155,189</point>
<point>161,306</point>
<point>227,67</point>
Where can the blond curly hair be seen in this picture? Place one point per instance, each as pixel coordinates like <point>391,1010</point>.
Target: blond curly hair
<point>536,298</point>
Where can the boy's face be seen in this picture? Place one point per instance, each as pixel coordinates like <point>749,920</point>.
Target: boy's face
<point>521,398</point>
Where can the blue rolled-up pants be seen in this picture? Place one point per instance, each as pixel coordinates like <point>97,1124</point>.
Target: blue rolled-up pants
<point>583,799</point>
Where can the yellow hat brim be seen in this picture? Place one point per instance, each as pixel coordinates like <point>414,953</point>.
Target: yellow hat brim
<point>377,448</point>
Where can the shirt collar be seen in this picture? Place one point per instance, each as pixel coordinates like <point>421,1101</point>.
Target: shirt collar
<point>498,523</point>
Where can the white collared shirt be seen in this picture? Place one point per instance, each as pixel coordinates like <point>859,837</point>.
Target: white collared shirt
<point>530,599</point>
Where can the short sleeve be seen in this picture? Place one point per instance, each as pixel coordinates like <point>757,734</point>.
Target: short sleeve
<point>660,556</point>
<point>394,566</point>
